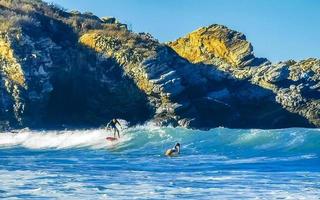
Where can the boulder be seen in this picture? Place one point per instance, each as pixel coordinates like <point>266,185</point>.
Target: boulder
<point>109,20</point>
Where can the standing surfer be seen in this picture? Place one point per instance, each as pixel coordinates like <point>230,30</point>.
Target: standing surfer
<point>113,126</point>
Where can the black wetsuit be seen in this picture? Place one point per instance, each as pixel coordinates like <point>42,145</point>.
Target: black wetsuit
<point>112,124</point>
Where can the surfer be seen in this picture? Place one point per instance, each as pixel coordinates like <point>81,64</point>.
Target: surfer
<point>174,151</point>
<point>113,126</point>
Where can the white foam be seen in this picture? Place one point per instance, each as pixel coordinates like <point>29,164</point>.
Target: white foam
<point>150,185</point>
<point>60,139</point>
<point>164,137</point>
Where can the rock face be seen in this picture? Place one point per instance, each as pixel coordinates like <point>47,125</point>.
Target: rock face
<point>67,68</point>
<point>294,84</point>
<point>217,42</point>
<point>49,79</point>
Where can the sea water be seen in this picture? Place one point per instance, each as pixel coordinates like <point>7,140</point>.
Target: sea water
<point>217,164</point>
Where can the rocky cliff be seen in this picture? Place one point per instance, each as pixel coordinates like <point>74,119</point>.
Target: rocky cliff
<point>73,68</point>
<point>217,43</point>
<point>295,84</point>
<point>48,78</point>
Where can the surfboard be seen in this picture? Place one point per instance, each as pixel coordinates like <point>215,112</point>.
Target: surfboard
<point>111,138</point>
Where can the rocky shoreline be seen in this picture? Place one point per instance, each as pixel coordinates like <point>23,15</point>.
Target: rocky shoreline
<point>60,67</point>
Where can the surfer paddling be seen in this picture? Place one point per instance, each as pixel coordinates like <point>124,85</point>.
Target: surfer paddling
<point>174,151</point>
<point>113,126</point>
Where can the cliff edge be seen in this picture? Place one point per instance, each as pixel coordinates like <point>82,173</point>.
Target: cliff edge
<point>62,68</point>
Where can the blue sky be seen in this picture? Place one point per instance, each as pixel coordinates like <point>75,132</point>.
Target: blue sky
<point>277,29</point>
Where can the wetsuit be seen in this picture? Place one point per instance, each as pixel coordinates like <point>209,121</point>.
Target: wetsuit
<point>174,151</point>
<point>112,124</point>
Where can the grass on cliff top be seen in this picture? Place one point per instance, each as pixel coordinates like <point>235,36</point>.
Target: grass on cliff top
<point>18,13</point>
<point>126,37</point>
<point>23,14</point>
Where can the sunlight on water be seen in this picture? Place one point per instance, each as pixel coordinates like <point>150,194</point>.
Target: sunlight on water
<point>220,163</point>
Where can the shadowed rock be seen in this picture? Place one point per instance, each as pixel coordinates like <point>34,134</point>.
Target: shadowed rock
<point>61,68</point>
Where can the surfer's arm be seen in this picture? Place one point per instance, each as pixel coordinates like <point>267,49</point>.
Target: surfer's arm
<point>108,125</point>
<point>119,123</point>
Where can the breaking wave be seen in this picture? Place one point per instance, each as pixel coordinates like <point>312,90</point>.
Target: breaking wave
<point>221,163</point>
<point>150,139</point>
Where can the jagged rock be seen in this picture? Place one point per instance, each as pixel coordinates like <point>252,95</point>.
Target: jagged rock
<point>147,65</point>
<point>109,20</point>
<point>216,41</point>
<point>295,84</point>
<point>47,78</point>
<point>276,74</point>
<point>114,21</point>
<point>290,97</point>
<point>73,68</point>
<point>75,12</point>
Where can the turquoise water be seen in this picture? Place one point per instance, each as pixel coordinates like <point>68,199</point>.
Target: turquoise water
<point>217,164</point>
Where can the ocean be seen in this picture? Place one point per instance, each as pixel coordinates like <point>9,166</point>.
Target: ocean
<point>218,164</point>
